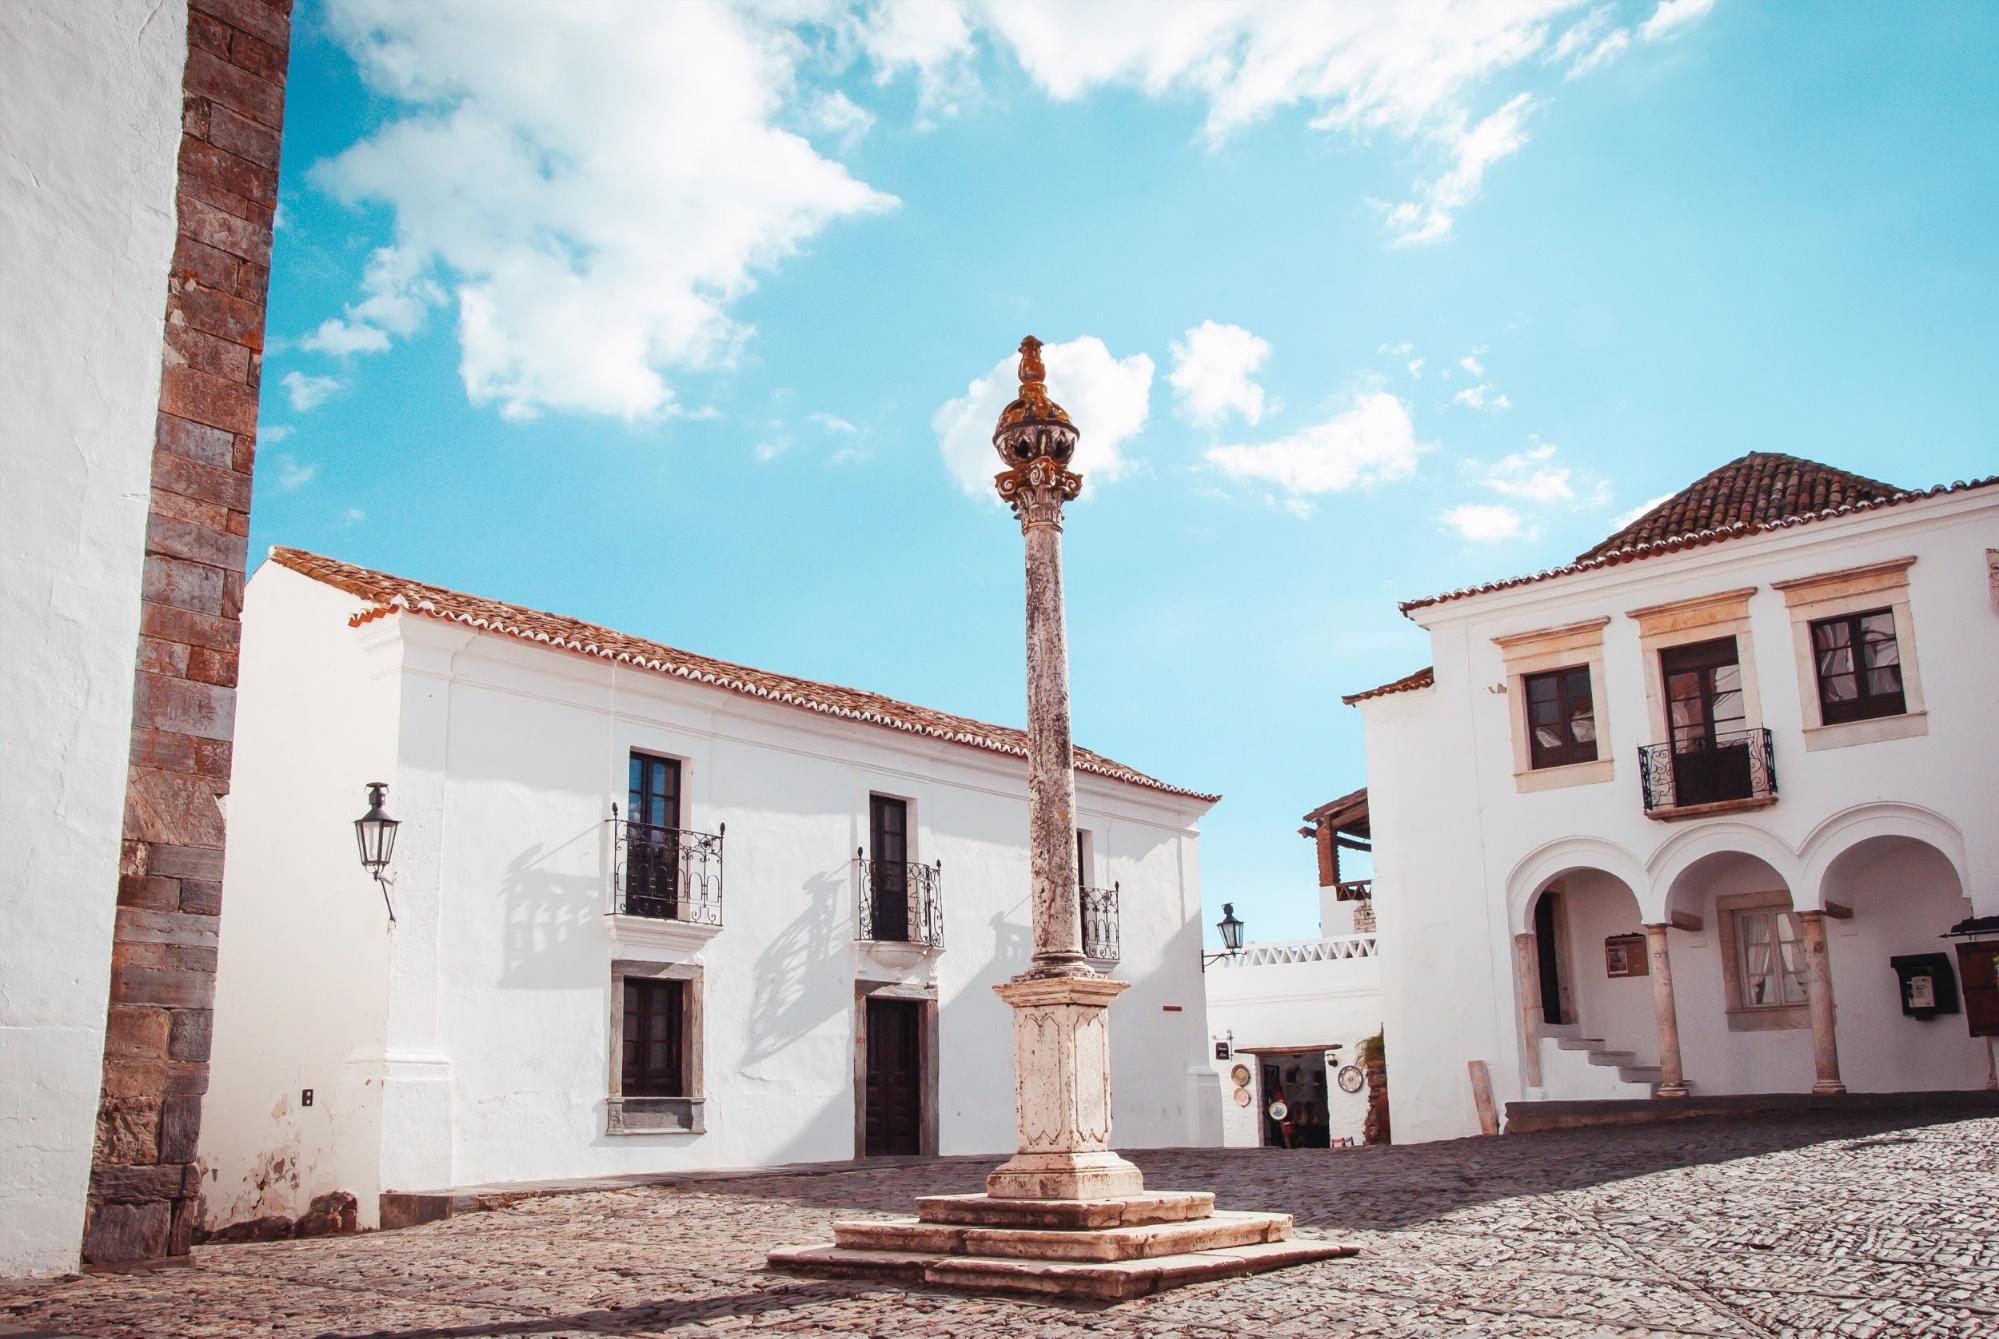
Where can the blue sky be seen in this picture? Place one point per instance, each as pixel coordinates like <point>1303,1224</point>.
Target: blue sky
<point>690,321</point>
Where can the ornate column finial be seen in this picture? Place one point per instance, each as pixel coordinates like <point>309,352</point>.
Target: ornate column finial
<point>1035,440</point>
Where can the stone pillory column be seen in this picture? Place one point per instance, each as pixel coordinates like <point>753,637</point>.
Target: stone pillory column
<point>1061,1027</point>
<point>1065,1216</point>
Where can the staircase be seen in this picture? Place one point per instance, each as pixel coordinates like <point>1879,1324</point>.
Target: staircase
<point>1577,1067</point>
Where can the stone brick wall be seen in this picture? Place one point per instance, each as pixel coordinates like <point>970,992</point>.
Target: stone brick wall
<point>144,1185</point>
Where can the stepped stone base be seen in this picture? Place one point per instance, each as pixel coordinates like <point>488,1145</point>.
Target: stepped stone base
<point>1082,1250</point>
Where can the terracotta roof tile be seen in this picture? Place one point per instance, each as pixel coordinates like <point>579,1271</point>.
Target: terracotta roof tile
<point>389,595</point>
<point>1761,492</point>
<point>1408,683</point>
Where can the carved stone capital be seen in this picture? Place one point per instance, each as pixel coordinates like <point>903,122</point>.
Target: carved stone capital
<point>1036,492</point>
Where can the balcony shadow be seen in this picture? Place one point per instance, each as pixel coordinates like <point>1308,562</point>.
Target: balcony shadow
<point>785,1007</point>
<point>552,921</point>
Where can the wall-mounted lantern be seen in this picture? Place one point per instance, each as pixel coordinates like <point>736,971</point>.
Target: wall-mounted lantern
<point>375,834</point>
<point>1231,929</point>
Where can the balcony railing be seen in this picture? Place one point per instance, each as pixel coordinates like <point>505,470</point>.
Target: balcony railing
<point>1733,766</point>
<point>900,902</point>
<point>667,874</point>
<point>1334,948</point>
<point>1354,890</point>
<point>1098,907</point>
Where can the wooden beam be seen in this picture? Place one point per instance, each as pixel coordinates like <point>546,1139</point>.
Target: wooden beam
<point>1353,845</point>
<point>1481,1094</point>
<point>1839,911</point>
<point>1686,920</point>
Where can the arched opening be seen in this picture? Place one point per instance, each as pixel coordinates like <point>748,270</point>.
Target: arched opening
<point>1741,988</point>
<point>1584,983</point>
<point>1889,900</point>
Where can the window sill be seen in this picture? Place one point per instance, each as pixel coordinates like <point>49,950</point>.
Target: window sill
<point>1845,734</point>
<point>1568,774</point>
<point>1683,812</point>
<point>1778,1018</point>
<point>655,1115</point>
<point>650,939</point>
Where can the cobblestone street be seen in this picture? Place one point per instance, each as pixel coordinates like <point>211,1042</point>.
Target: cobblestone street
<point>1822,1226</point>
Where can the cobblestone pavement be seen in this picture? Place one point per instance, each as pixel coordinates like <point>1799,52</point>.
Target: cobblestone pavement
<point>1816,1226</point>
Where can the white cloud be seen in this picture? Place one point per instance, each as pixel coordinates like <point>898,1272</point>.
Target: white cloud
<point>833,423</point>
<point>1471,364</point>
<point>294,475</point>
<point>1486,522</point>
<point>1416,367</point>
<point>272,434</point>
<point>1407,69</point>
<point>1530,476</point>
<point>1603,53</point>
<point>834,113</point>
<point>1673,15</point>
<point>341,338</point>
<point>596,209</point>
<point>1481,398</point>
<point>1213,371</point>
<point>770,448</point>
<point>1108,399</point>
<point>849,455</point>
<point>1628,517</point>
<point>308,392</point>
<point>1428,217</point>
<point>1402,350</point>
<point>353,516</point>
<point>1373,442</point>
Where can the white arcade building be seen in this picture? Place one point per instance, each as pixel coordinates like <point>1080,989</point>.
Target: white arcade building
<point>652,911</point>
<point>1692,815</point>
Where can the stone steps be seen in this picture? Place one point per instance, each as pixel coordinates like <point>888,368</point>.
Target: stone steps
<point>1149,1206</point>
<point>1219,1231</point>
<point>1100,1281</point>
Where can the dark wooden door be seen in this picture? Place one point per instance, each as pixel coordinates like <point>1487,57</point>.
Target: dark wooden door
<point>895,1078</point>
<point>652,838</point>
<point>1704,710</point>
<point>888,844</point>
<point>1546,912</point>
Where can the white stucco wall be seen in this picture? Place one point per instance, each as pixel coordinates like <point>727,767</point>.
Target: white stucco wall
<point>87,152</point>
<point>492,1053</point>
<point>1284,1006</point>
<point>1466,851</point>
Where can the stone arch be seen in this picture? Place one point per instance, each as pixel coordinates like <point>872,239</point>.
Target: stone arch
<point>1675,860</point>
<point>1862,824</point>
<point>1546,863</point>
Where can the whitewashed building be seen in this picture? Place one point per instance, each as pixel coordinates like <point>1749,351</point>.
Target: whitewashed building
<point>1693,813</point>
<point>1286,1018</point>
<point>652,911</point>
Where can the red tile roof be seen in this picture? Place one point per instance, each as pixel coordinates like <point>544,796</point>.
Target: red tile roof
<point>391,595</point>
<point>1408,683</point>
<point>1758,493</point>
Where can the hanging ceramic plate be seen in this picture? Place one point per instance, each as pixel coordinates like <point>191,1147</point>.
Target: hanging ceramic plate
<point>1242,1097</point>
<point>1241,1076</point>
<point>1352,1079</point>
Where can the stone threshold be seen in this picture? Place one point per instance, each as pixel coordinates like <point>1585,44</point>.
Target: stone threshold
<point>409,1208</point>
<point>1537,1117</point>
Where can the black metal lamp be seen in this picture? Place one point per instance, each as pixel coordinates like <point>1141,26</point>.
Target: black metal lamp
<point>375,834</point>
<point>1231,929</point>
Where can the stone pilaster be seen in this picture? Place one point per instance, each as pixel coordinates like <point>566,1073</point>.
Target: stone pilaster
<point>1672,1079</point>
<point>143,1186</point>
<point>1526,972</point>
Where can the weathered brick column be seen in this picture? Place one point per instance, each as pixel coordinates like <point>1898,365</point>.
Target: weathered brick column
<point>143,1184</point>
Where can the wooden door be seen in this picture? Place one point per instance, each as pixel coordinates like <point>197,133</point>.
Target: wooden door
<point>652,838</point>
<point>895,1078</point>
<point>1705,712</point>
<point>1548,954</point>
<point>888,844</point>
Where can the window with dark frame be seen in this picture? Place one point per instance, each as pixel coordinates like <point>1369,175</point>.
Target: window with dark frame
<point>888,845</point>
<point>1561,718</point>
<point>1859,666</point>
<point>654,1060</point>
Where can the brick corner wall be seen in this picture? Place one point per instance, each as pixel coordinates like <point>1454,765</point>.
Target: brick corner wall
<point>144,1184</point>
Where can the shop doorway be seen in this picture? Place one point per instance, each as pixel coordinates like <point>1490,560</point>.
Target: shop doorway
<point>1298,1079</point>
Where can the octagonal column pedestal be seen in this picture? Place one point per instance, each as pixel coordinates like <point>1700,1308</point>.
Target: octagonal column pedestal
<point>1062,1092</point>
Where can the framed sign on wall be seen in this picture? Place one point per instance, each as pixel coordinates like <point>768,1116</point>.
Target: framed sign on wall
<point>1624,955</point>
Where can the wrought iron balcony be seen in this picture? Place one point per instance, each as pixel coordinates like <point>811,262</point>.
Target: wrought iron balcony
<point>667,874</point>
<point>1098,907</point>
<point>900,901</point>
<point>1733,766</point>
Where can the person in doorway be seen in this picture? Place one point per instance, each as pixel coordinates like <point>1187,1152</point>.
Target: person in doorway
<point>1279,1112</point>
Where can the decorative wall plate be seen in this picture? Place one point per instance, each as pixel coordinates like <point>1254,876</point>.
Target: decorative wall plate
<point>1242,1097</point>
<point>1352,1079</point>
<point>1241,1076</point>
